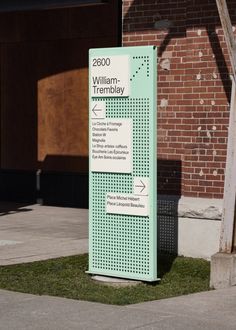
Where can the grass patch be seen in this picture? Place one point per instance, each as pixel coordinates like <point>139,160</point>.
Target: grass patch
<point>66,277</point>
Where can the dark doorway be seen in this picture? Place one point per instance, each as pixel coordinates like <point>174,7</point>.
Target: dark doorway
<point>43,98</point>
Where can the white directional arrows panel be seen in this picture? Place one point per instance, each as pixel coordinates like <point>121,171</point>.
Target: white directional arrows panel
<point>98,109</point>
<point>141,186</point>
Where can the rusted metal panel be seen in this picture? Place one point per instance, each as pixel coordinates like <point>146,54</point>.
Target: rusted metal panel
<point>63,115</point>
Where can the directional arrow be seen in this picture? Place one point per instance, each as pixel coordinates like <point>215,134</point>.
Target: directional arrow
<point>141,186</point>
<point>94,110</point>
<point>98,109</point>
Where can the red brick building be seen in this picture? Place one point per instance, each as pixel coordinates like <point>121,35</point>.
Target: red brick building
<point>193,90</point>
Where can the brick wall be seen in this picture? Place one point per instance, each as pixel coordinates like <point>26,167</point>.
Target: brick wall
<point>193,90</point>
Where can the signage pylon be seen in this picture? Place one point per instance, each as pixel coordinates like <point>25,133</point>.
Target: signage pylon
<point>123,172</point>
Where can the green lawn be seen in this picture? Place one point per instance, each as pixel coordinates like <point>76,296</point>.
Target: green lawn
<point>66,277</point>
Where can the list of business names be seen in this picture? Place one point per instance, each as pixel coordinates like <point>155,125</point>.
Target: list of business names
<point>111,145</point>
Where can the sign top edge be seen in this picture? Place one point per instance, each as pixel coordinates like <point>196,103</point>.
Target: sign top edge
<point>112,49</point>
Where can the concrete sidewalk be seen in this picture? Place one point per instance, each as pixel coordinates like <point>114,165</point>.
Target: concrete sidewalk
<point>34,232</point>
<point>214,310</point>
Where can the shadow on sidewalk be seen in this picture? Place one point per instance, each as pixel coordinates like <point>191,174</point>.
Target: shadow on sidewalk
<point>11,208</point>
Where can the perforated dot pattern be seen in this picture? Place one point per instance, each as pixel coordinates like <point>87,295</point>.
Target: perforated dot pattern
<point>121,243</point>
<point>168,225</point>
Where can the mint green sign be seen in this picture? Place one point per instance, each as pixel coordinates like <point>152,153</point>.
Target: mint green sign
<point>122,154</point>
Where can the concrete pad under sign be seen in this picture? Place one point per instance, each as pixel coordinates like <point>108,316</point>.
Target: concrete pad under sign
<point>114,281</point>
<point>223,270</point>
